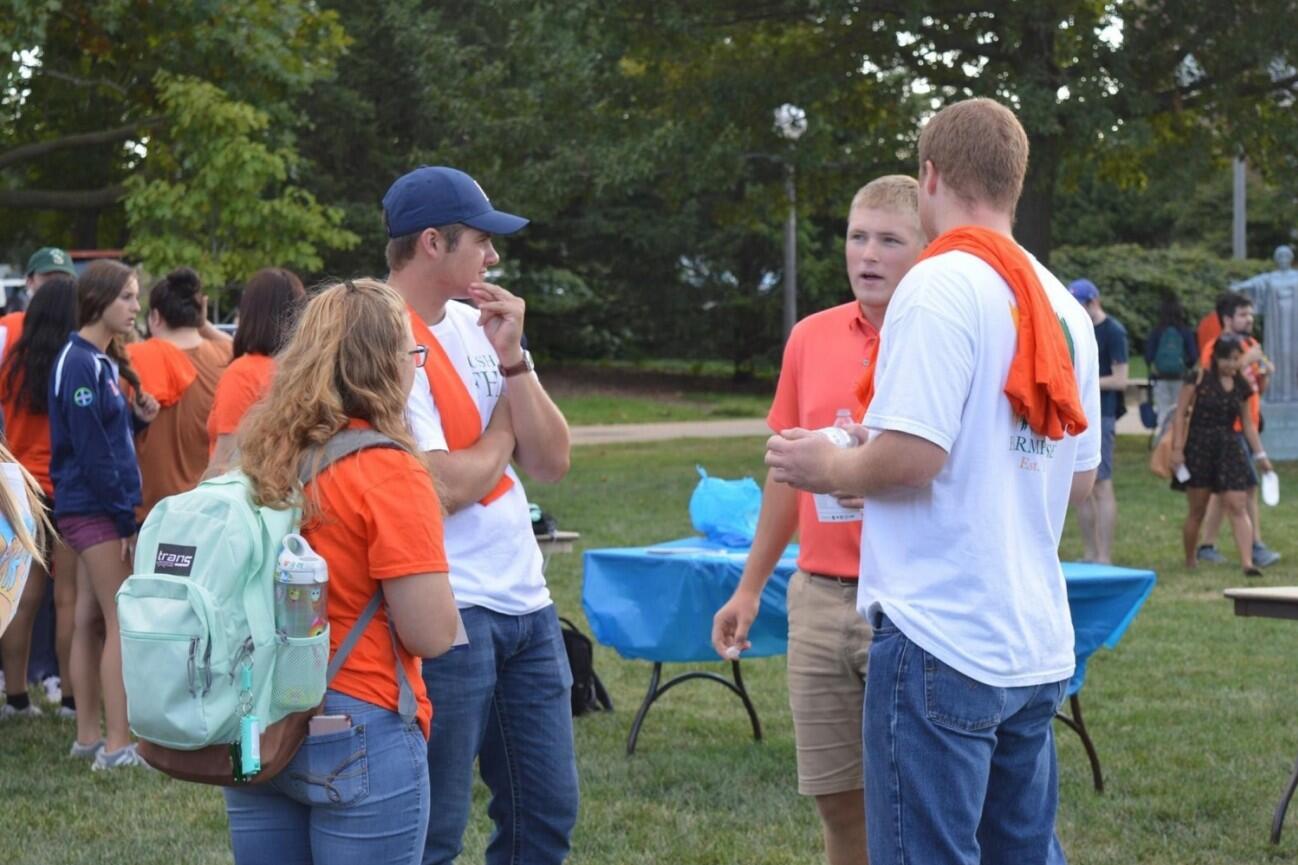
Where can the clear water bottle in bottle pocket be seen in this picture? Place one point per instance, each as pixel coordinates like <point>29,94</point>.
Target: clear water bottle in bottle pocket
<point>301,589</point>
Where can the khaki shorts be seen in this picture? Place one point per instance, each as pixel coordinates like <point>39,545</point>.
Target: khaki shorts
<point>829,645</point>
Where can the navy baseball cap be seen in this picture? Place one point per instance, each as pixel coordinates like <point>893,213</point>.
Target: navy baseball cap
<point>434,195</point>
<point>1084,290</point>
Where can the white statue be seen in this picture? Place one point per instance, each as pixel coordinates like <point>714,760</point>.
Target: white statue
<point>1275,296</point>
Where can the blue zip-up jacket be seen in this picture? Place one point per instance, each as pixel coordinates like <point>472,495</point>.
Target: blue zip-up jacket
<point>92,438</point>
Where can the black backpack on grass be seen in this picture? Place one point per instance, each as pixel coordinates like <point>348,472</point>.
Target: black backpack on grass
<point>588,693</point>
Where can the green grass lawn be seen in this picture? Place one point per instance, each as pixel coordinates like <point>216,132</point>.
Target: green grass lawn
<point>608,408</point>
<point>1195,716</point>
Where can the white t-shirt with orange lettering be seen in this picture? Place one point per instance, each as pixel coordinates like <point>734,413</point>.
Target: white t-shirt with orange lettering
<point>495,561</point>
<point>968,566</point>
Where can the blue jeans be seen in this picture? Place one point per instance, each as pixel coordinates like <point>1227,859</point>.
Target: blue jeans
<point>360,795</point>
<point>505,699</point>
<point>956,772</point>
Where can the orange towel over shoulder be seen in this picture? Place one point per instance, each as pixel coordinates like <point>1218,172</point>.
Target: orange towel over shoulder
<point>164,370</point>
<point>461,420</point>
<point>1041,386</point>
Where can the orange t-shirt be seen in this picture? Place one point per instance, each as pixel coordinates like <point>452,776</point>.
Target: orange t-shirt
<point>245,381</point>
<point>26,432</point>
<point>173,449</point>
<point>1208,330</point>
<point>165,370</point>
<point>379,519</point>
<point>1250,373</point>
<point>11,327</point>
<point>822,361</point>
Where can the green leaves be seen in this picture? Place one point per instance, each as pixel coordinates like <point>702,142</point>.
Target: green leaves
<point>83,83</point>
<point>216,195</point>
<point>1132,280</point>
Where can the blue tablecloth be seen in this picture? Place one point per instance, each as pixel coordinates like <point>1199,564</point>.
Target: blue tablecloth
<point>1103,600</point>
<point>656,603</point>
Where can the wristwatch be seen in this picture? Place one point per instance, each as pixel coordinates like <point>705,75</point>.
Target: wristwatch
<point>524,365</point>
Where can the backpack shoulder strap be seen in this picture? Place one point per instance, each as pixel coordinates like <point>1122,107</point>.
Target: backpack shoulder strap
<point>405,693</point>
<point>1194,398</point>
<point>601,693</point>
<point>343,443</point>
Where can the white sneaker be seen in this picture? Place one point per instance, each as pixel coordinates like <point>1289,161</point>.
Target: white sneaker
<point>53,687</point>
<point>86,752</point>
<point>122,758</point>
<point>32,711</point>
<point>65,713</point>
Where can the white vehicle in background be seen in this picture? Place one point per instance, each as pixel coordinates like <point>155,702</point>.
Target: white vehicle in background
<point>11,286</point>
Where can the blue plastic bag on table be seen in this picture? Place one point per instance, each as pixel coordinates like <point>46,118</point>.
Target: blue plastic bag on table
<point>726,511</point>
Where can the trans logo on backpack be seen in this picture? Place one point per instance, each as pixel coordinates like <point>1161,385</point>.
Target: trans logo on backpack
<point>174,559</point>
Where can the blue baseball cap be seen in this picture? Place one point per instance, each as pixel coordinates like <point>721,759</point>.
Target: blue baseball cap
<point>436,195</point>
<point>1084,290</point>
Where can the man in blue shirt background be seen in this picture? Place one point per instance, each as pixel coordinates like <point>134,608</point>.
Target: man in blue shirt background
<point>1099,512</point>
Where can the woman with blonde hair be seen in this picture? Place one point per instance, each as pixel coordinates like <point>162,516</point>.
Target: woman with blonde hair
<point>24,530</point>
<point>96,491</point>
<point>359,792</point>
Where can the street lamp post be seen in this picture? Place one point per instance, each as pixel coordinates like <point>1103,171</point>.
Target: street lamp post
<point>790,122</point>
<point>1239,220</point>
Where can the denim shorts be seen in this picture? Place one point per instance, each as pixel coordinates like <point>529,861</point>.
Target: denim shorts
<point>1248,453</point>
<point>1108,439</point>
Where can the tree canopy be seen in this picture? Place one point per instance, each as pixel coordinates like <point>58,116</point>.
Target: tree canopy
<point>637,137</point>
<point>95,104</point>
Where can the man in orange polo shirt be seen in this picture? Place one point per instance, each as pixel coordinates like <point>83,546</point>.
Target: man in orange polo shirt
<point>1235,312</point>
<point>829,642</point>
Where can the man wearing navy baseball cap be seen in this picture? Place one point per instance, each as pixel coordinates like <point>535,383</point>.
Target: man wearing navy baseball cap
<point>476,405</point>
<point>1098,514</point>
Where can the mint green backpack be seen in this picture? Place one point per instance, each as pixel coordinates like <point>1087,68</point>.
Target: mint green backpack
<point>200,607</point>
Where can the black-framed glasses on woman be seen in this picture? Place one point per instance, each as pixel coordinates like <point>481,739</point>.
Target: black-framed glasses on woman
<point>420,353</point>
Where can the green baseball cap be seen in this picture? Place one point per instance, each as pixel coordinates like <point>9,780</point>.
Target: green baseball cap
<point>50,259</point>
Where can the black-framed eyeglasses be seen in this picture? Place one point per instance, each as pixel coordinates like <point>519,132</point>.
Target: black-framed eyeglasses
<point>420,353</point>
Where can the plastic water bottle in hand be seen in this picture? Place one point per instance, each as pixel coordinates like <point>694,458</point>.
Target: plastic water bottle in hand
<point>828,510</point>
<point>1270,489</point>
<point>301,590</point>
<point>841,432</point>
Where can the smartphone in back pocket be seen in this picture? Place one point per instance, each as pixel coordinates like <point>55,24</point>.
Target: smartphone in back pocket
<point>322,724</point>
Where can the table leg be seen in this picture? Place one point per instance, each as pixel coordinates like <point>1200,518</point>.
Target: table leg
<point>748,704</point>
<point>1277,823</point>
<point>655,691</point>
<point>1078,725</point>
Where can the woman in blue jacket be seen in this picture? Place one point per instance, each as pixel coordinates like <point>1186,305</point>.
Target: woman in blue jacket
<point>96,490</point>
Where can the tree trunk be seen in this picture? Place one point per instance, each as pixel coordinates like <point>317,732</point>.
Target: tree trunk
<point>85,232</point>
<point>1032,226</point>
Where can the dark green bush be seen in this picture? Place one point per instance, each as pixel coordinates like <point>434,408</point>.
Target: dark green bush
<point>1132,280</point>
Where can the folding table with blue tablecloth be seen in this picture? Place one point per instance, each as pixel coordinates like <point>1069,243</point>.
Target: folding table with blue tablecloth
<point>656,604</point>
